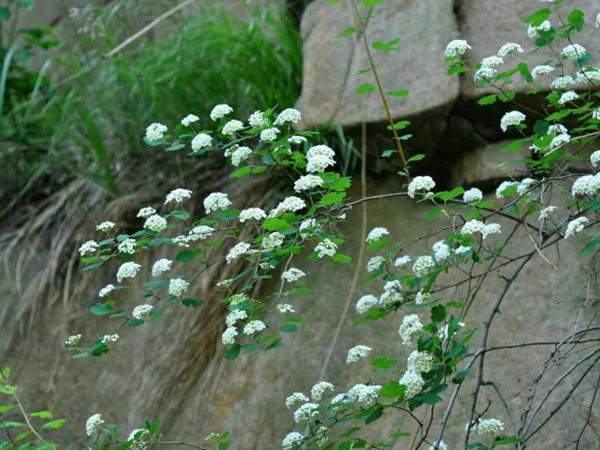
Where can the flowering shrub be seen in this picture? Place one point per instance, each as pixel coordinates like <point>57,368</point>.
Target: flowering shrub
<point>434,328</point>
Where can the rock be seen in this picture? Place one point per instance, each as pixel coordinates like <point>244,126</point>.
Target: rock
<point>487,25</point>
<point>488,165</point>
<point>333,64</point>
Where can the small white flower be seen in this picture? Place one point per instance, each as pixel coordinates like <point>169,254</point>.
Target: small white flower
<point>508,48</point>
<point>307,182</point>
<point>546,212</point>
<point>288,204</point>
<point>586,186</point>
<point>252,214</point>
<point>457,47</point>
<point>492,61</point>
<point>254,326</point>
<point>189,119</point>
<point>321,390</point>
<point>106,290</point>
<point>146,212</point>
<point>365,303</point>
<point>229,335</point>
<point>377,233</point>
<point>73,340</point>
<point>472,227</point>
<point>127,246</point>
<point>220,111</point>
<point>257,119</point>
<point>525,185</point>
<point>512,118</point>
<point>573,52</point>
<point>88,247</point>
<point>295,398</point>
<point>491,228</point>
<point>375,263</point>
<point>560,140</point>
<point>362,395</point>
<point>200,233</point>
<point>319,163</point>
<point>441,251</point>
<point>155,132</point>
<point>239,155</point>
<point>128,270</point>
<point>297,140</point>
<point>486,426</point>
<point>292,274</point>
<point>292,440</point>
<point>421,297</point>
<point>93,424</point>
<point>308,227</point>
<point>567,97</point>
<point>269,134</point>
<point>557,128</point>
<point>272,241</point>
<point>485,73</point>
<point>239,249</point>
<point>472,195</point>
<point>178,195</point>
<point>402,261</point>
<point>326,248</point>
<point>576,226</point>
<point>306,413</point>
<point>533,31</point>
<point>504,186</point>
<point>413,381</point>
<point>105,226</point>
<point>410,326</point>
<point>563,82</point>
<point>108,338</point>
<point>161,266</point>
<point>541,70</point>
<point>234,316</point>
<point>595,158</point>
<point>290,115</point>
<point>232,127</point>
<point>200,141</point>
<point>216,201</point>
<point>420,183</point>
<point>140,312</point>
<point>155,223</point>
<point>178,287</point>
<point>285,308</point>
<point>462,250</point>
<point>423,265</point>
<point>357,353</point>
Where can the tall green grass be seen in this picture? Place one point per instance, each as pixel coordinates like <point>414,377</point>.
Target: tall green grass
<point>93,124</point>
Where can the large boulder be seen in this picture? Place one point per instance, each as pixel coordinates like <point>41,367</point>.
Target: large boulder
<point>487,25</point>
<point>333,65</point>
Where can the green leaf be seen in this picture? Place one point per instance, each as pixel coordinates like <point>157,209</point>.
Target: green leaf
<point>506,441</point>
<point>438,313</point>
<point>276,224</point>
<point>514,146</point>
<point>341,259</point>
<point>347,32</point>
<point>461,375</point>
<point>179,214</point>
<point>384,363</point>
<point>386,46</point>
<point>187,255</point>
<point>289,328</point>
<point>42,414</point>
<point>388,153</point>
<point>372,3</point>
<point>232,352</point>
<point>398,93</point>
<point>4,13</point>
<point>401,125</point>
<point>576,19</point>
<point>417,157</point>
<point>365,88</point>
<point>488,100</point>
<point>392,390</point>
<point>102,309</point>
<point>525,73</point>
<point>376,413</point>
<point>54,425</point>
<point>332,198</point>
<point>175,147</point>
<point>10,424</point>
<point>537,17</point>
<point>6,408</point>
<point>192,302</point>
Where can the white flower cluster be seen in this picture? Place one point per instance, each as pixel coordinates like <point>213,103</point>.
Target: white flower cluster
<point>220,111</point>
<point>295,398</point>
<point>107,338</point>
<point>269,134</point>
<point>288,204</point>
<point>504,186</point>
<point>375,263</point>
<point>200,141</point>
<point>595,158</point>
<point>546,212</point>
<point>319,158</point>
<point>567,97</point>
<point>457,47</point>
<point>105,226</point>
<point>292,440</point>
<point>189,119</point>
<point>297,140</point>
<point>508,48</point>
<point>420,183</point>
<point>257,119</point>
<point>365,303</point>
<point>413,381</point>
<point>141,311</point>
<point>106,290</point>
<point>441,251</point>
<point>377,233</point>
<point>423,265</point>
<point>410,326</point>
<point>306,413</point>
<point>321,390</point>
<point>240,154</point>
<point>392,293</point>
<point>229,335</point>
<point>234,316</point>
<point>486,426</point>
<point>541,70</point>
<point>285,308</point>
<point>129,269</point>
<point>216,201</point>
<point>272,241</point>
<point>586,186</point>
<point>178,195</point>
<point>155,223</point>
<point>563,82</point>
<point>292,274</point>
<point>402,261</point>
<point>178,287</point>
<point>232,127</point>
<point>155,132</point>
<point>239,249</point>
<point>576,226</point>
<point>420,361</point>
<point>511,119</point>
<point>161,266</point>
<point>533,31</point>
<point>326,248</point>
<point>357,353</point>
<point>146,212</point>
<point>307,182</point>
<point>476,226</point>
<point>472,195</point>
<point>363,395</point>
<point>254,326</point>
<point>127,246</point>
<point>252,214</point>
<point>73,340</point>
<point>93,424</point>
<point>288,115</point>
<point>573,52</point>
<point>88,247</point>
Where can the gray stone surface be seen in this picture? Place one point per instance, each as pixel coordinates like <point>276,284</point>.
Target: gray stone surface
<point>332,64</point>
